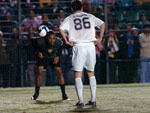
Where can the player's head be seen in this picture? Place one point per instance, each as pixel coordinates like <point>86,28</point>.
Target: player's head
<point>76,5</point>
<point>51,36</point>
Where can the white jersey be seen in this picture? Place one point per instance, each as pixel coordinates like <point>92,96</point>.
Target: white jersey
<point>81,27</point>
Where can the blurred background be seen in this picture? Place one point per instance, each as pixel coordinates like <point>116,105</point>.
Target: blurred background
<point>122,57</point>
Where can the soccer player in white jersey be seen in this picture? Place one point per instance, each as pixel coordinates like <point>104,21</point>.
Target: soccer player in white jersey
<point>81,29</point>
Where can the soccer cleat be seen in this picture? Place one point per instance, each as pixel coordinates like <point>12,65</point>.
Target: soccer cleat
<point>35,96</point>
<point>79,104</point>
<point>91,103</point>
<point>65,97</point>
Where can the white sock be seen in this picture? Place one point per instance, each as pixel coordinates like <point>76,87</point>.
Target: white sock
<point>79,89</point>
<point>92,82</point>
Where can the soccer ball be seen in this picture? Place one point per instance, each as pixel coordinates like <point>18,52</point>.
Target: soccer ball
<point>43,30</point>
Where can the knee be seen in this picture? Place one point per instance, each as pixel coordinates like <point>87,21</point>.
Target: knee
<point>40,72</point>
<point>58,71</point>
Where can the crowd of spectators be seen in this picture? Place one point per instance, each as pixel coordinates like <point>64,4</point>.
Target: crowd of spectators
<point>126,21</point>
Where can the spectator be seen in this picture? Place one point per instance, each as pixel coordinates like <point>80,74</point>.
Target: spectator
<point>133,53</point>
<point>13,47</point>
<point>129,49</point>
<point>128,27</point>
<point>98,67</point>
<point>130,43</point>
<point>60,18</point>
<point>113,47</point>
<point>28,5</point>
<point>136,48</point>
<point>31,21</point>
<point>66,62</point>
<point>5,8</point>
<point>46,21</point>
<point>143,22</point>
<point>53,10</point>
<point>87,6</point>
<point>13,3</point>
<point>31,63</point>
<point>123,55</point>
<point>96,4</point>
<point>56,30</point>
<point>118,32</point>
<point>144,39</point>
<point>8,24</point>
<point>23,29</point>
<point>4,63</point>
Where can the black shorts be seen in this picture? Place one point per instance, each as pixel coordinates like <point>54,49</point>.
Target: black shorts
<point>44,62</point>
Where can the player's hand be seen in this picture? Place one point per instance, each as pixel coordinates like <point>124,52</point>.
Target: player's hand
<point>70,43</point>
<point>56,60</point>
<point>98,41</point>
<point>40,55</point>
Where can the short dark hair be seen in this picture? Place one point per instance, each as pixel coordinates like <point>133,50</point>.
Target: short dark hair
<point>76,5</point>
<point>50,33</point>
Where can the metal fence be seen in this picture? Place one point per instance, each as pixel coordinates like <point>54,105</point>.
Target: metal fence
<point>122,57</point>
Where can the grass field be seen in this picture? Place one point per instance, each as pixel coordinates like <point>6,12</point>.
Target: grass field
<point>124,98</point>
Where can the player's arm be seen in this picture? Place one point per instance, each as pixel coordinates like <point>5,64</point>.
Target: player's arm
<point>101,25</point>
<point>102,30</point>
<point>56,59</point>
<point>40,55</point>
<point>65,38</point>
<point>58,54</point>
<point>63,35</point>
<point>65,27</point>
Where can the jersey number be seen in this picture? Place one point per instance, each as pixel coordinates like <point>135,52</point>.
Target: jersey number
<point>78,23</point>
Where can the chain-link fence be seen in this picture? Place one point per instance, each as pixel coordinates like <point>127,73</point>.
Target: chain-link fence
<point>122,57</point>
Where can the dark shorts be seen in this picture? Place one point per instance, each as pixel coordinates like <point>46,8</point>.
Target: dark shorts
<point>44,62</point>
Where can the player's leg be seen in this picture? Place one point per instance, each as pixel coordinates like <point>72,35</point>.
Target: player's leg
<point>90,65</point>
<point>39,76</point>
<point>40,68</point>
<point>61,82</point>
<point>79,88</point>
<point>92,83</point>
<point>38,82</point>
<point>78,61</point>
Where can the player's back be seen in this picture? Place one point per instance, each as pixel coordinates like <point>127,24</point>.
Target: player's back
<point>81,27</point>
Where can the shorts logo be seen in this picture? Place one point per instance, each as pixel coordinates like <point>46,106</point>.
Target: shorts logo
<point>50,50</point>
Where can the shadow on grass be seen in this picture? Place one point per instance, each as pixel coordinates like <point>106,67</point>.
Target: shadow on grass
<point>92,109</point>
<point>50,102</point>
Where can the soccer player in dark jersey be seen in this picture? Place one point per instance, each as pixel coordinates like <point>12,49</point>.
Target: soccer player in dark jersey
<point>49,51</point>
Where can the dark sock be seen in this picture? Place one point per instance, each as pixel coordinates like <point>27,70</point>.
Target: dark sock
<point>37,88</point>
<point>62,87</point>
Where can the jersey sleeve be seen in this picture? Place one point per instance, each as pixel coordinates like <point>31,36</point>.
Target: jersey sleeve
<point>65,25</point>
<point>97,22</point>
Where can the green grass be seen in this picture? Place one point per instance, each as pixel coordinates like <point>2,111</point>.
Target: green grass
<point>120,98</point>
